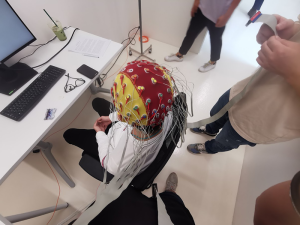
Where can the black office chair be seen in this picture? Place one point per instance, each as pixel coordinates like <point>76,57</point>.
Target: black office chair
<point>145,179</point>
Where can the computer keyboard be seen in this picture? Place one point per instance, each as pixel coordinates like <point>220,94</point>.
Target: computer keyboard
<point>33,94</point>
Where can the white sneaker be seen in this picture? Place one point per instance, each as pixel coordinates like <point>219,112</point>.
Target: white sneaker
<point>173,58</point>
<point>207,67</point>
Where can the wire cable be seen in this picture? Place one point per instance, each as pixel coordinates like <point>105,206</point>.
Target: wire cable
<point>40,45</point>
<point>52,56</point>
<point>58,188</point>
<point>130,42</point>
<point>65,28</point>
<point>58,51</point>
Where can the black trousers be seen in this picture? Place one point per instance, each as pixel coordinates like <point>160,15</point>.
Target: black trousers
<point>197,24</point>
<point>134,208</point>
<point>86,139</point>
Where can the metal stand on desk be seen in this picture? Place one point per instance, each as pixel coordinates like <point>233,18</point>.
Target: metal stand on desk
<point>46,148</point>
<point>96,90</point>
<point>149,50</point>
<point>32,214</point>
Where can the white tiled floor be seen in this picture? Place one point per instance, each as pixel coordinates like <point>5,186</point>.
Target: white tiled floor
<point>208,184</point>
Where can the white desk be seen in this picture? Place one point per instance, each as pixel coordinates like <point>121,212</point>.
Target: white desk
<point>18,139</point>
<point>4,221</point>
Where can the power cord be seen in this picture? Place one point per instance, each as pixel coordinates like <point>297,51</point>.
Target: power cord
<point>58,51</point>
<point>40,45</point>
<point>130,42</point>
<point>52,56</point>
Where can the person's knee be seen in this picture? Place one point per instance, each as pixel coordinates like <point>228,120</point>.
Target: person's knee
<point>68,135</point>
<point>215,109</point>
<point>95,102</point>
<point>212,112</point>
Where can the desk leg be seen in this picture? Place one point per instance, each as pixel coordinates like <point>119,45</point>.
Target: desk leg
<point>96,90</point>
<point>36,213</point>
<point>46,148</point>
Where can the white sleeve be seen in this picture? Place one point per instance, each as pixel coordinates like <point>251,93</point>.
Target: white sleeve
<point>103,143</point>
<point>115,147</point>
<point>113,116</point>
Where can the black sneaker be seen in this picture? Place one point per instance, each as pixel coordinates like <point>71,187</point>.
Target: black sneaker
<point>197,149</point>
<point>202,130</point>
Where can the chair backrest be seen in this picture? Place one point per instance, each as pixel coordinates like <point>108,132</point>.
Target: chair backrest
<point>145,179</point>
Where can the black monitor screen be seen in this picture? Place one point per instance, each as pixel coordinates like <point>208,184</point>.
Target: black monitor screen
<point>14,35</point>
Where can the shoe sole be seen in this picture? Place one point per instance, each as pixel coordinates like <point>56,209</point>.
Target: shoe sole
<point>205,71</point>
<point>194,153</point>
<point>211,135</point>
<point>172,60</point>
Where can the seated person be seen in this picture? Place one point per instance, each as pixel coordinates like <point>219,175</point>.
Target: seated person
<point>140,119</point>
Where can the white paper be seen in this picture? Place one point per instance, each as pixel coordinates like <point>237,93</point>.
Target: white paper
<point>94,47</point>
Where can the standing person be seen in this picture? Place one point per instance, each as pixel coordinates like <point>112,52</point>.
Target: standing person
<point>214,15</point>
<point>269,112</point>
<point>256,7</point>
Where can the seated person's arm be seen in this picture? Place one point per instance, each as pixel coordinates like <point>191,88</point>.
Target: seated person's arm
<point>101,137</point>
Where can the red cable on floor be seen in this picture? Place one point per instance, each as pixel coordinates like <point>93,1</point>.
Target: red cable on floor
<point>49,164</point>
<point>58,189</point>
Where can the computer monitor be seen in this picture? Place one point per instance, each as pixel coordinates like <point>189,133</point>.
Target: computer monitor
<point>14,36</point>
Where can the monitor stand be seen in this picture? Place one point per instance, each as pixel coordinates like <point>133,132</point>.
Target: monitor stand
<point>14,77</point>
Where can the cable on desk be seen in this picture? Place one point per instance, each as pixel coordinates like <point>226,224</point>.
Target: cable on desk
<point>40,45</point>
<point>52,56</point>
<point>58,51</point>
<point>65,28</point>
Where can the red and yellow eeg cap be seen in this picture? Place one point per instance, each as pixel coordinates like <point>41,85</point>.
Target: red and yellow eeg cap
<point>143,93</point>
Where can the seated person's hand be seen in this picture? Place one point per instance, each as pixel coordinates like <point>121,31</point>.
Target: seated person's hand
<point>99,126</point>
<point>105,120</point>
<point>285,29</point>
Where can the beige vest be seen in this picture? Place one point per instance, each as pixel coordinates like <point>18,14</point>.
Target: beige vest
<point>270,110</point>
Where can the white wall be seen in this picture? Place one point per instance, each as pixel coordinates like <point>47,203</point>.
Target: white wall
<point>111,19</point>
<point>168,20</point>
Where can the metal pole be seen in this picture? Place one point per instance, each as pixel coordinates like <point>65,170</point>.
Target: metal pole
<point>40,212</point>
<point>141,32</point>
